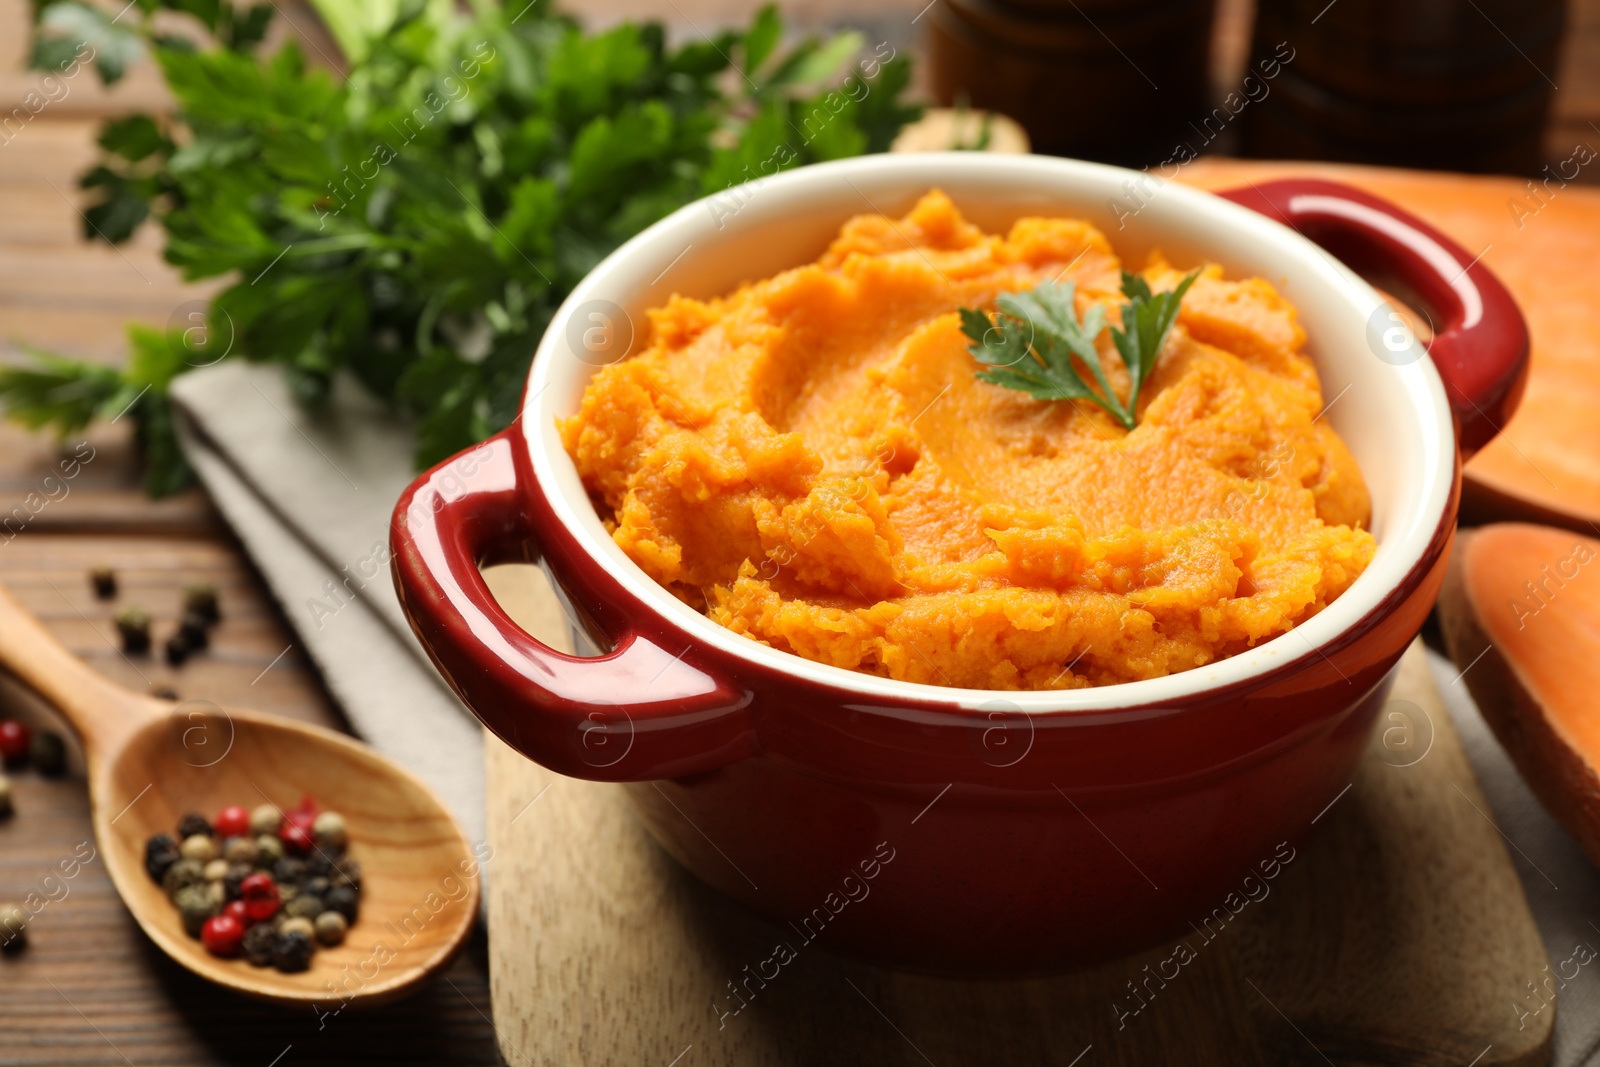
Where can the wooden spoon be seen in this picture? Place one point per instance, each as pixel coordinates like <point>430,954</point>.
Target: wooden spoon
<point>151,760</point>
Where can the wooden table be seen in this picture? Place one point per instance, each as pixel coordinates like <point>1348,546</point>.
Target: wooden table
<point>91,989</point>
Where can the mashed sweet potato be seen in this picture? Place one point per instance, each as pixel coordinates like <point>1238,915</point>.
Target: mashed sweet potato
<point>811,462</point>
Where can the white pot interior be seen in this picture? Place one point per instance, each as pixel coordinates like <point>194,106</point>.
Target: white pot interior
<point>1392,414</point>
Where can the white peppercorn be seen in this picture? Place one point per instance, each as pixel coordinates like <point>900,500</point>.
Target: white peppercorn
<point>266,819</point>
<point>328,830</point>
<point>331,928</point>
<point>13,927</point>
<point>199,847</point>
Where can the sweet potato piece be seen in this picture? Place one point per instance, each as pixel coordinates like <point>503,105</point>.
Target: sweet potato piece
<point>1520,611</point>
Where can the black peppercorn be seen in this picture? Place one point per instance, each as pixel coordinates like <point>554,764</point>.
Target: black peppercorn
<point>200,600</point>
<point>289,870</point>
<point>317,886</point>
<point>48,753</point>
<point>160,853</point>
<point>104,581</point>
<point>343,899</point>
<point>292,952</point>
<point>165,693</point>
<point>231,882</point>
<point>176,650</point>
<point>259,941</point>
<point>192,631</point>
<point>348,872</point>
<point>134,625</point>
<point>320,862</point>
<point>191,824</point>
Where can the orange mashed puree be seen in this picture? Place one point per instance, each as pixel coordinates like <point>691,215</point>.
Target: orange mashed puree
<point>810,461</point>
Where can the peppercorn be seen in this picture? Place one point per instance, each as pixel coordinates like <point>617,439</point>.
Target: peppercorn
<point>192,629</point>
<point>319,863</point>
<point>13,928</point>
<point>176,650</point>
<point>216,894</point>
<point>222,935</point>
<point>265,819</point>
<point>347,872</point>
<point>104,582</point>
<point>195,906</point>
<point>192,824</point>
<point>345,900</point>
<point>165,692</point>
<point>317,886</point>
<point>237,909</point>
<point>5,797</point>
<point>304,906</point>
<point>260,896</point>
<point>296,836</point>
<point>329,830</point>
<point>48,753</point>
<point>290,870</point>
<point>233,881</point>
<point>133,624</point>
<point>160,853</point>
<point>202,847</point>
<point>181,875</point>
<point>240,850</point>
<point>269,850</point>
<point>200,600</point>
<point>216,870</point>
<point>331,928</point>
<point>292,951</point>
<point>14,739</point>
<point>300,923</point>
<point>259,942</point>
<point>231,821</point>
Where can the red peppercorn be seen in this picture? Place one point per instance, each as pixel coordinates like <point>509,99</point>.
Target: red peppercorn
<point>236,909</point>
<point>295,833</point>
<point>260,896</point>
<point>14,739</point>
<point>232,821</point>
<point>222,935</point>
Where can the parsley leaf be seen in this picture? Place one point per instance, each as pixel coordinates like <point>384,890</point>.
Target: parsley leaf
<point>1036,342</point>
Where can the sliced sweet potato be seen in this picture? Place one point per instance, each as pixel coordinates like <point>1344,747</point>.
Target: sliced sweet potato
<point>1520,611</point>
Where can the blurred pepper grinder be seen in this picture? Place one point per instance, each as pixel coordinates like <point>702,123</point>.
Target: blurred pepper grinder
<point>1432,84</point>
<point>1111,80</point>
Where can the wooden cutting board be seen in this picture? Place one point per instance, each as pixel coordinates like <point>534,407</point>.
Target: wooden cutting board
<point>1398,934</point>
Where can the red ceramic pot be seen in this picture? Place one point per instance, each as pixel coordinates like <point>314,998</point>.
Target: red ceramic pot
<point>950,829</point>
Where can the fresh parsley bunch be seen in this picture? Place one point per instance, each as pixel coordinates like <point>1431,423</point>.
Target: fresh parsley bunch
<point>417,222</point>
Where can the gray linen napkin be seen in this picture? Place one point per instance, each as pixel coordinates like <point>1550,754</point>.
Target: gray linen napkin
<point>310,497</point>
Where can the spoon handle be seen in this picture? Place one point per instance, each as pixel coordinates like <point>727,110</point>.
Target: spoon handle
<point>100,711</point>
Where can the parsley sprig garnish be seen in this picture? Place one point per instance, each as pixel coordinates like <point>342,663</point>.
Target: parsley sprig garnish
<point>1036,341</point>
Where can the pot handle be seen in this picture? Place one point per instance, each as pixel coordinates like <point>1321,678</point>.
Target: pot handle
<point>642,711</point>
<point>1480,347</point>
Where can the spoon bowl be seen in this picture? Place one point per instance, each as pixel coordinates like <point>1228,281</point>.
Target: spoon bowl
<point>150,761</point>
